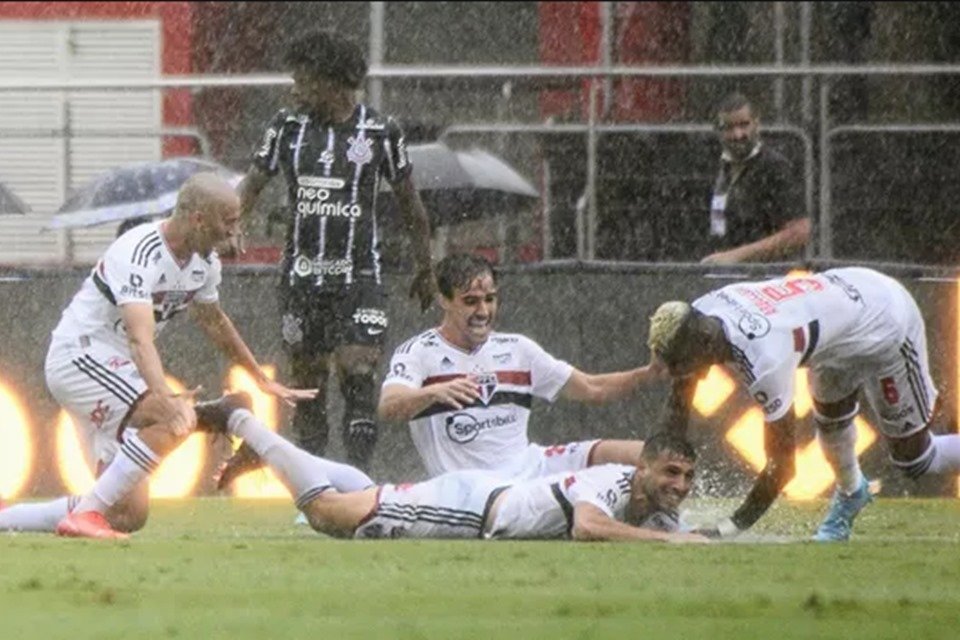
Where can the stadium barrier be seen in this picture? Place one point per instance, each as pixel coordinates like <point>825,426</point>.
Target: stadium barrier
<point>593,314</point>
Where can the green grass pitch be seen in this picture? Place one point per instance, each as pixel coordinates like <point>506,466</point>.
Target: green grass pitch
<point>226,568</point>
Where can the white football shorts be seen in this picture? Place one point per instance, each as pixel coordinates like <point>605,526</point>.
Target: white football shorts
<point>97,385</point>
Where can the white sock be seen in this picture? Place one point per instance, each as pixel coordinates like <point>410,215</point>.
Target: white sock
<point>946,457</point>
<point>839,448</point>
<point>134,463</point>
<point>37,516</point>
<point>305,475</point>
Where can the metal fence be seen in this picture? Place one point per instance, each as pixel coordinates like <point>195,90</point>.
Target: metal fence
<point>816,135</point>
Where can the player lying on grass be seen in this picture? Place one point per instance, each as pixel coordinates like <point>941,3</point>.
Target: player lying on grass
<point>606,502</point>
<point>858,331</point>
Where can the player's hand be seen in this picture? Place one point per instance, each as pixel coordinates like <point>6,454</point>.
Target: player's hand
<point>424,287</point>
<point>724,529</point>
<point>179,413</point>
<point>457,393</point>
<point>289,396</point>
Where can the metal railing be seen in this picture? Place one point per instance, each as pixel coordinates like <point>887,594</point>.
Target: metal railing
<point>569,77</point>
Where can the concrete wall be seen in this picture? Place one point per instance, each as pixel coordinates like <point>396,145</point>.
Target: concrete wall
<point>593,316</point>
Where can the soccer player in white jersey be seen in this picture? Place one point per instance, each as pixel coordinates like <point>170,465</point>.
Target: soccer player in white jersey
<point>104,369</point>
<point>858,331</point>
<point>638,501</point>
<point>466,389</point>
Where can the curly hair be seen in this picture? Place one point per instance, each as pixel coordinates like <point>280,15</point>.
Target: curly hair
<point>328,54</point>
<point>665,323</point>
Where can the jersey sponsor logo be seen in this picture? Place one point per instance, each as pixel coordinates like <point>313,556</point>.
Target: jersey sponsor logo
<point>371,125</point>
<point>753,325</point>
<point>321,182</point>
<point>892,416</point>
<point>463,428</point>
<point>608,497</point>
<point>313,201</point>
<point>376,317</point>
<point>502,358</point>
<point>503,340</point>
<point>446,363</point>
<point>764,401</point>
<point>304,266</point>
<point>197,275</point>
<point>359,152</point>
<point>399,370</point>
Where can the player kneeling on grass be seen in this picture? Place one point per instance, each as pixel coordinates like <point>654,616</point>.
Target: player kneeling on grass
<point>606,502</point>
<point>105,370</point>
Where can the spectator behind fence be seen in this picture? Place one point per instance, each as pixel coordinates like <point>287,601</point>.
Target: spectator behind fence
<point>757,207</point>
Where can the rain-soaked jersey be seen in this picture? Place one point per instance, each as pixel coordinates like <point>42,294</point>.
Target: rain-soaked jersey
<point>543,507</point>
<point>333,175</point>
<point>830,320</point>
<point>492,432</point>
<point>137,267</point>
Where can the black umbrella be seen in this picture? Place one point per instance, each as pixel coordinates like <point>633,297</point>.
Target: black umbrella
<point>467,185</point>
<point>10,202</point>
<point>145,189</point>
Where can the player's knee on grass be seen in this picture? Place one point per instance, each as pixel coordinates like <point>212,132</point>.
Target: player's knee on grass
<point>130,514</point>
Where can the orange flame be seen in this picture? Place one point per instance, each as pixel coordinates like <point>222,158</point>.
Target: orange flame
<point>16,452</point>
<point>263,483</point>
<point>814,473</point>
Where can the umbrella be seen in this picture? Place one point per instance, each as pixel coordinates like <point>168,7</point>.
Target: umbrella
<point>144,189</point>
<point>10,202</point>
<point>466,185</point>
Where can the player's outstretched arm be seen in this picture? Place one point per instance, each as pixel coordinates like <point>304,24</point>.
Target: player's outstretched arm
<point>400,403</point>
<point>676,412</point>
<point>218,327</point>
<point>424,285</point>
<point>590,523</point>
<point>779,470</point>
<point>170,408</point>
<point>600,388</point>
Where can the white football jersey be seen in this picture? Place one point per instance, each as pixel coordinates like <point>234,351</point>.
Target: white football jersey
<point>543,507</point>
<point>137,268</point>
<point>828,320</point>
<point>491,433</point>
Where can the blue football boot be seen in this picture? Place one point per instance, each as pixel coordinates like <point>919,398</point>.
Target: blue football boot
<point>837,525</point>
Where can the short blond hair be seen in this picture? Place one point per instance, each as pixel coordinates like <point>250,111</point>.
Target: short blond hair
<point>665,323</point>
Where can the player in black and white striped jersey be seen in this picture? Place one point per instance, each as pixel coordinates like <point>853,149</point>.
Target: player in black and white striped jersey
<point>104,368</point>
<point>333,153</point>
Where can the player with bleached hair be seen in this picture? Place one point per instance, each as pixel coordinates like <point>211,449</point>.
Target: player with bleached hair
<point>607,502</point>
<point>466,390</point>
<point>105,370</point>
<point>858,331</point>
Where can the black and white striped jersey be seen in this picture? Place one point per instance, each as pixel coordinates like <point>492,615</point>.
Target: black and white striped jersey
<point>333,175</point>
<point>137,268</point>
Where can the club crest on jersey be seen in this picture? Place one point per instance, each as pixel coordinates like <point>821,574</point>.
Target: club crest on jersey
<point>359,152</point>
<point>487,385</point>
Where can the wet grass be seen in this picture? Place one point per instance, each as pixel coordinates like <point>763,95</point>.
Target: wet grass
<point>221,568</point>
